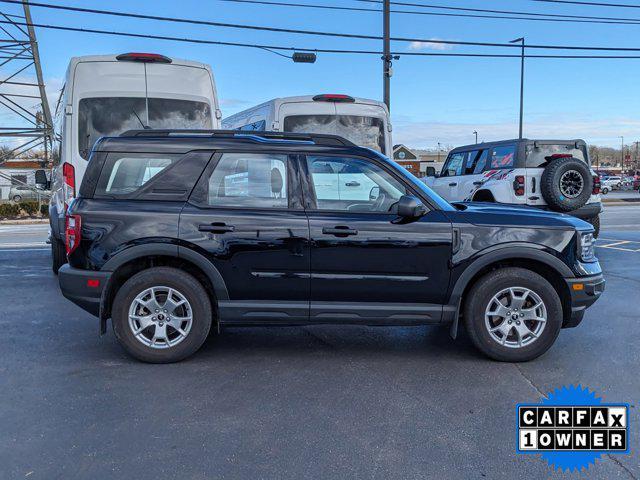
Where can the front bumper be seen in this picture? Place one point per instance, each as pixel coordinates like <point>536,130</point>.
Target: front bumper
<point>584,292</point>
<point>83,287</point>
<point>587,211</point>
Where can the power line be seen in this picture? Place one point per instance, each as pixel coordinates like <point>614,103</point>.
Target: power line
<point>593,4</point>
<point>306,32</point>
<point>315,50</point>
<point>507,12</point>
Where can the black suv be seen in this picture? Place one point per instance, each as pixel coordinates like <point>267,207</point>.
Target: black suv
<point>177,233</point>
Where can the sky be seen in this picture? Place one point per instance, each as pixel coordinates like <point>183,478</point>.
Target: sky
<point>433,100</point>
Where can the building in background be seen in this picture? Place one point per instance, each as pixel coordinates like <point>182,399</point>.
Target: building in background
<point>18,172</point>
<point>417,161</point>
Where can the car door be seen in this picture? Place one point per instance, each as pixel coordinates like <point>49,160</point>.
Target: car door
<point>446,184</point>
<point>245,215</point>
<point>367,265</point>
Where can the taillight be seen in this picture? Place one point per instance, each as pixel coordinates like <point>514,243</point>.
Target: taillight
<point>518,185</point>
<point>73,233</point>
<point>334,97</point>
<point>69,184</point>
<point>143,57</point>
<point>596,184</point>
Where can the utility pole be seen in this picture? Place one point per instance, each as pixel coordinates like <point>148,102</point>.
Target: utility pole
<point>386,56</point>
<point>521,39</point>
<point>622,153</point>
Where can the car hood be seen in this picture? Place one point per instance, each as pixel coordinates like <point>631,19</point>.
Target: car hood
<point>496,214</point>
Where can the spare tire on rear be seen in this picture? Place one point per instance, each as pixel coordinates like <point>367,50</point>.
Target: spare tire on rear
<point>566,184</point>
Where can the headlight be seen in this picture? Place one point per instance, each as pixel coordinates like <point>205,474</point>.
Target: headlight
<point>586,247</point>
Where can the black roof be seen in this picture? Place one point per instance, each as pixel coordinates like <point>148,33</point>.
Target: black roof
<point>177,141</point>
<point>476,146</point>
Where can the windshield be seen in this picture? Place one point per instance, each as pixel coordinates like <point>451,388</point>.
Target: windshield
<point>110,116</point>
<point>419,185</point>
<point>363,131</point>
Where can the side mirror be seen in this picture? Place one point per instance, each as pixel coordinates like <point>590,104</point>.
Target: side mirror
<point>431,171</point>
<point>410,207</point>
<point>41,177</point>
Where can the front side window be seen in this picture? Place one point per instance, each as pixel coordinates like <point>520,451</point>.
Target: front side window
<point>454,164</point>
<point>353,184</point>
<point>110,116</point>
<point>249,180</point>
<point>503,157</point>
<point>123,175</point>
<point>363,131</point>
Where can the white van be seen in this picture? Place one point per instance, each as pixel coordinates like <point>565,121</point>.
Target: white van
<point>106,95</point>
<point>365,122</point>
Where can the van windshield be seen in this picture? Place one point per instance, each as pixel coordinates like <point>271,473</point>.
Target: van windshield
<point>363,131</point>
<point>110,116</point>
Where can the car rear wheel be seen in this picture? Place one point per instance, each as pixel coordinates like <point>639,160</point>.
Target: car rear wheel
<point>605,190</point>
<point>566,184</point>
<point>161,315</point>
<point>513,314</point>
<point>58,255</point>
<point>16,198</point>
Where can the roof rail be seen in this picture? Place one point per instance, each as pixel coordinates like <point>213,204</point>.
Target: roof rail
<point>317,138</point>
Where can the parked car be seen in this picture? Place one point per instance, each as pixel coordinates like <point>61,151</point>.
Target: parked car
<point>105,95</point>
<point>610,183</point>
<point>363,121</point>
<point>19,193</point>
<point>546,174</point>
<point>173,235</point>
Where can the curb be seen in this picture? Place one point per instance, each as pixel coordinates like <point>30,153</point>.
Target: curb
<point>26,221</point>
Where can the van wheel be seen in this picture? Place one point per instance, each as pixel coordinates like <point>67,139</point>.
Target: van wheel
<point>566,184</point>
<point>58,255</point>
<point>513,315</point>
<point>161,315</point>
<point>595,221</point>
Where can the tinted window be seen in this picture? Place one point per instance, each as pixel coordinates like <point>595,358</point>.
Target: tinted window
<point>454,164</point>
<point>469,161</point>
<point>353,184</point>
<point>503,157</point>
<point>123,175</point>
<point>110,116</point>
<point>254,127</point>
<point>481,162</point>
<point>249,180</point>
<point>363,131</point>
<point>541,155</point>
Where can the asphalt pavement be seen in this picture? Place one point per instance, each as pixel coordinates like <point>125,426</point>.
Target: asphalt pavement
<point>294,403</point>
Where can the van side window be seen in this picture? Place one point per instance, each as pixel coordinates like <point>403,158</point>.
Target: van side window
<point>503,156</point>
<point>249,180</point>
<point>453,167</point>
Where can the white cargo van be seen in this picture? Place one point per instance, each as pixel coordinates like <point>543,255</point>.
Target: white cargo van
<point>364,122</point>
<point>106,95</point>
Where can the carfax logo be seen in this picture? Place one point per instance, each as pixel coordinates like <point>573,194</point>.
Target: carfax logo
<point>571,428</point>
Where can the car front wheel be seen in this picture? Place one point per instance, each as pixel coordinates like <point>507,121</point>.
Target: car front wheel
<point>161,315</point>
<point>513,314</point>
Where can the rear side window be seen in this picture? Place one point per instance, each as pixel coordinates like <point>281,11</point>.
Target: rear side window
<point>503,157</point>
<point>124,175</point>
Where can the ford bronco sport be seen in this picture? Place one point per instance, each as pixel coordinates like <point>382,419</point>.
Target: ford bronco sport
<point>547,174</point>
<point>177,233</point>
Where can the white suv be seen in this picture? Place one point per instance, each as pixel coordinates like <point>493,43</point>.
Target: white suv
<point>548,174</point>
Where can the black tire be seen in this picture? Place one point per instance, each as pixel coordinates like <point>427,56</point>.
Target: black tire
<point>479,298</point>
<point>16,198</point>
<point>595,221</point>
<point>551,180</point>
<point>189,287</point>
<point>605,190</point>
<point>58,255</point>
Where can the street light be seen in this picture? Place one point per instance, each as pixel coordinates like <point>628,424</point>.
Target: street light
<point>476,134</point>
<point>521,39</point>
<point>438,152</point>
<point>297,57</point>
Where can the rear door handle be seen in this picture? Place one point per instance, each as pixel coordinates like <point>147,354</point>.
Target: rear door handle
<point>453,184</point>
<point>339,231</point>
<point>216,227</point>
<point>477,183</point>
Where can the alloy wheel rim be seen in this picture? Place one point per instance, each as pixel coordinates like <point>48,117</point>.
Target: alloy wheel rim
<point>515,317</point>
<point>160,317</point>
<point>571,184</point>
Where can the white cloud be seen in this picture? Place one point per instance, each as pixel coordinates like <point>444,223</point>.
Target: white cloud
<point>430,46</point>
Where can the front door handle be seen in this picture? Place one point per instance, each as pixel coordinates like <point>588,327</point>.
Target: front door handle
<point>477,184</point>
<point>339,231</point>
<point>352,184</point>
<point>216,227</point>
<point>453,184</point>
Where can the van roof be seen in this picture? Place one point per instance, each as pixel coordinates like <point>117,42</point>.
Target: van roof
<point>112,58</point>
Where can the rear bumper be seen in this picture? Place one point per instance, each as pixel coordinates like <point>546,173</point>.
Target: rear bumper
<point>584,292</point>
<point>83,287</point>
